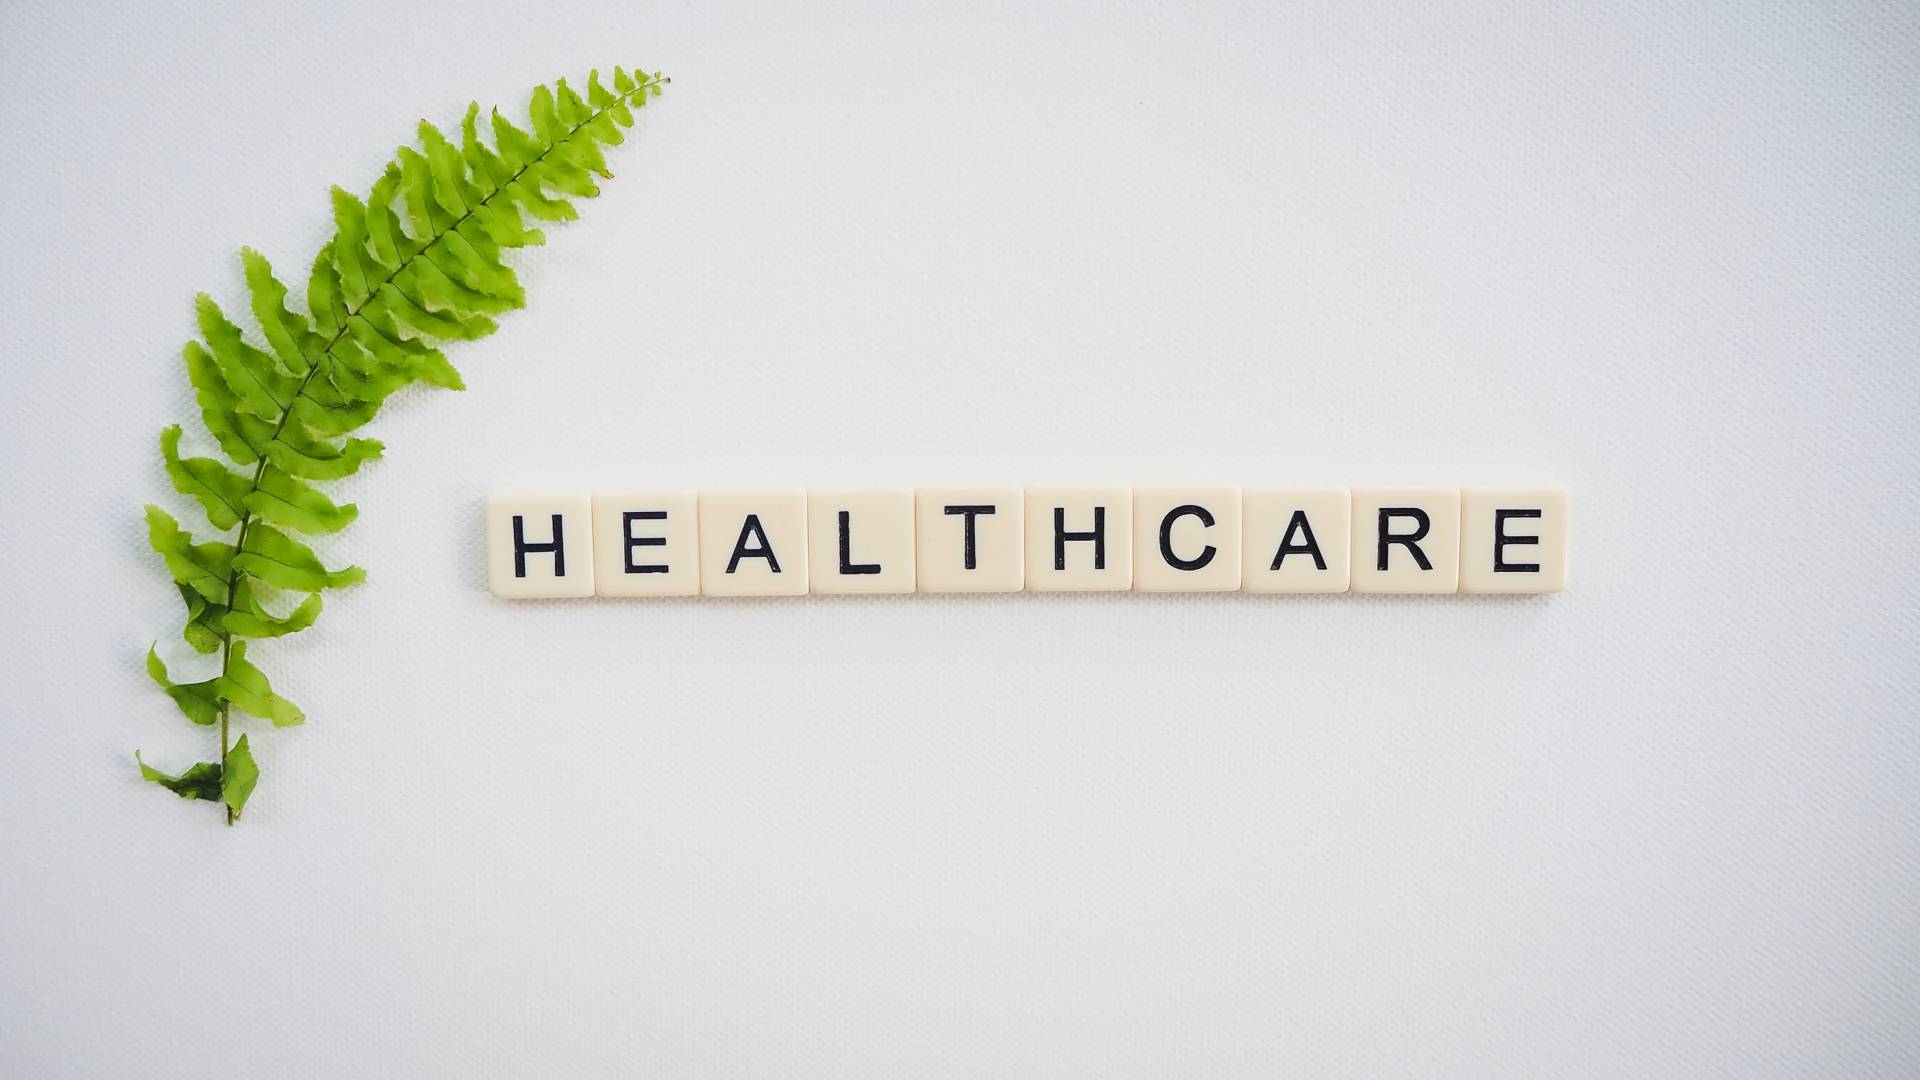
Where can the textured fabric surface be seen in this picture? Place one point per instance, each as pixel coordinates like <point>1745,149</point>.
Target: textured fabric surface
<point>1662,825</point>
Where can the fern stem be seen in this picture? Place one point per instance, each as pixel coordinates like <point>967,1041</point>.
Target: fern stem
<point>226,648</point>
<point>286,414</point>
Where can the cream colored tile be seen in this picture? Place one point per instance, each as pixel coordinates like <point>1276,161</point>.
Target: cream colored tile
<point>1186,539</point>
<point>1406,540</point>
<point>539,546</point>
<point>1297,540</point>
<point>646,543</point>
<point>1513,541</point>
<point>1079,539</point>
<point>970,539</point>
<point>860,541</point>
<point>753,543</point>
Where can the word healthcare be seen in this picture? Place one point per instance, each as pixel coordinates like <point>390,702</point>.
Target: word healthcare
<point>786,543</point>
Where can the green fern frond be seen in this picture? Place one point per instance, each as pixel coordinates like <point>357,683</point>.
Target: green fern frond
<point>418,263</point>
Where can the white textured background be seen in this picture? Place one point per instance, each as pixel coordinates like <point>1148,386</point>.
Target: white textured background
<point>1662,825</point>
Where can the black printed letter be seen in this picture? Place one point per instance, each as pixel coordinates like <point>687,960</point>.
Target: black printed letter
<point>1310,547</point>
<point>627,518</point>
<point>847,565</point>
<point>742,551</point>
<point>1098,536</point>
<point>1501,540</point>
<point>1166,538</point>
<point>967,514</point>
<point>521,548</point>
<point>1411,540</point>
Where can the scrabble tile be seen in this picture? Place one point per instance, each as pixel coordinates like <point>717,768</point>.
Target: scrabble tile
<point>1513,541</point>
<point>1079,539</point>
<point>860,541</point>
<point>1297,540</point>
<point>1406,540</point>
<point>539,546</point>
<point>1186,539</point>
<point>753,543</point>
<point>971,539</point>
<point>646,543</point>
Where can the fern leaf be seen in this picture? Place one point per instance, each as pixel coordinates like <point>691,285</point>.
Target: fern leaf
<point>439,291</point>
<point>254,621</point>
<point>424,215</point>
<point>237,777</point>
<point>389,242</point>
<point>527,196</point>
<point>318,459</point>
<point>206,622</point>
<point>204,568</point>
<point>333,419</point>
<point>597,95</point>
<point>295,504</point>
<point>516,147</point>
<point>503,226</point>
<point>199,701</point>
<point>259,386</point>
<point>449,173</point>
<point>350,255</point>
<point>451,327</point>
<point>416,264</point>
<point>247,689</point>
<point>242,436</point>
<point>430,366</point>
<point>546,120</point>
<point>202,781</point>
<point>222,493</point>
<point>345,385</point>
<point>573,111</point>
<point>486,168</point>
<point>565,177</point>
<point>481,270</point>
<point>285,331</point>
<point>374,334</point>
<point>374,366</point>
<point>279,560</point>
<point>323,293</point>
